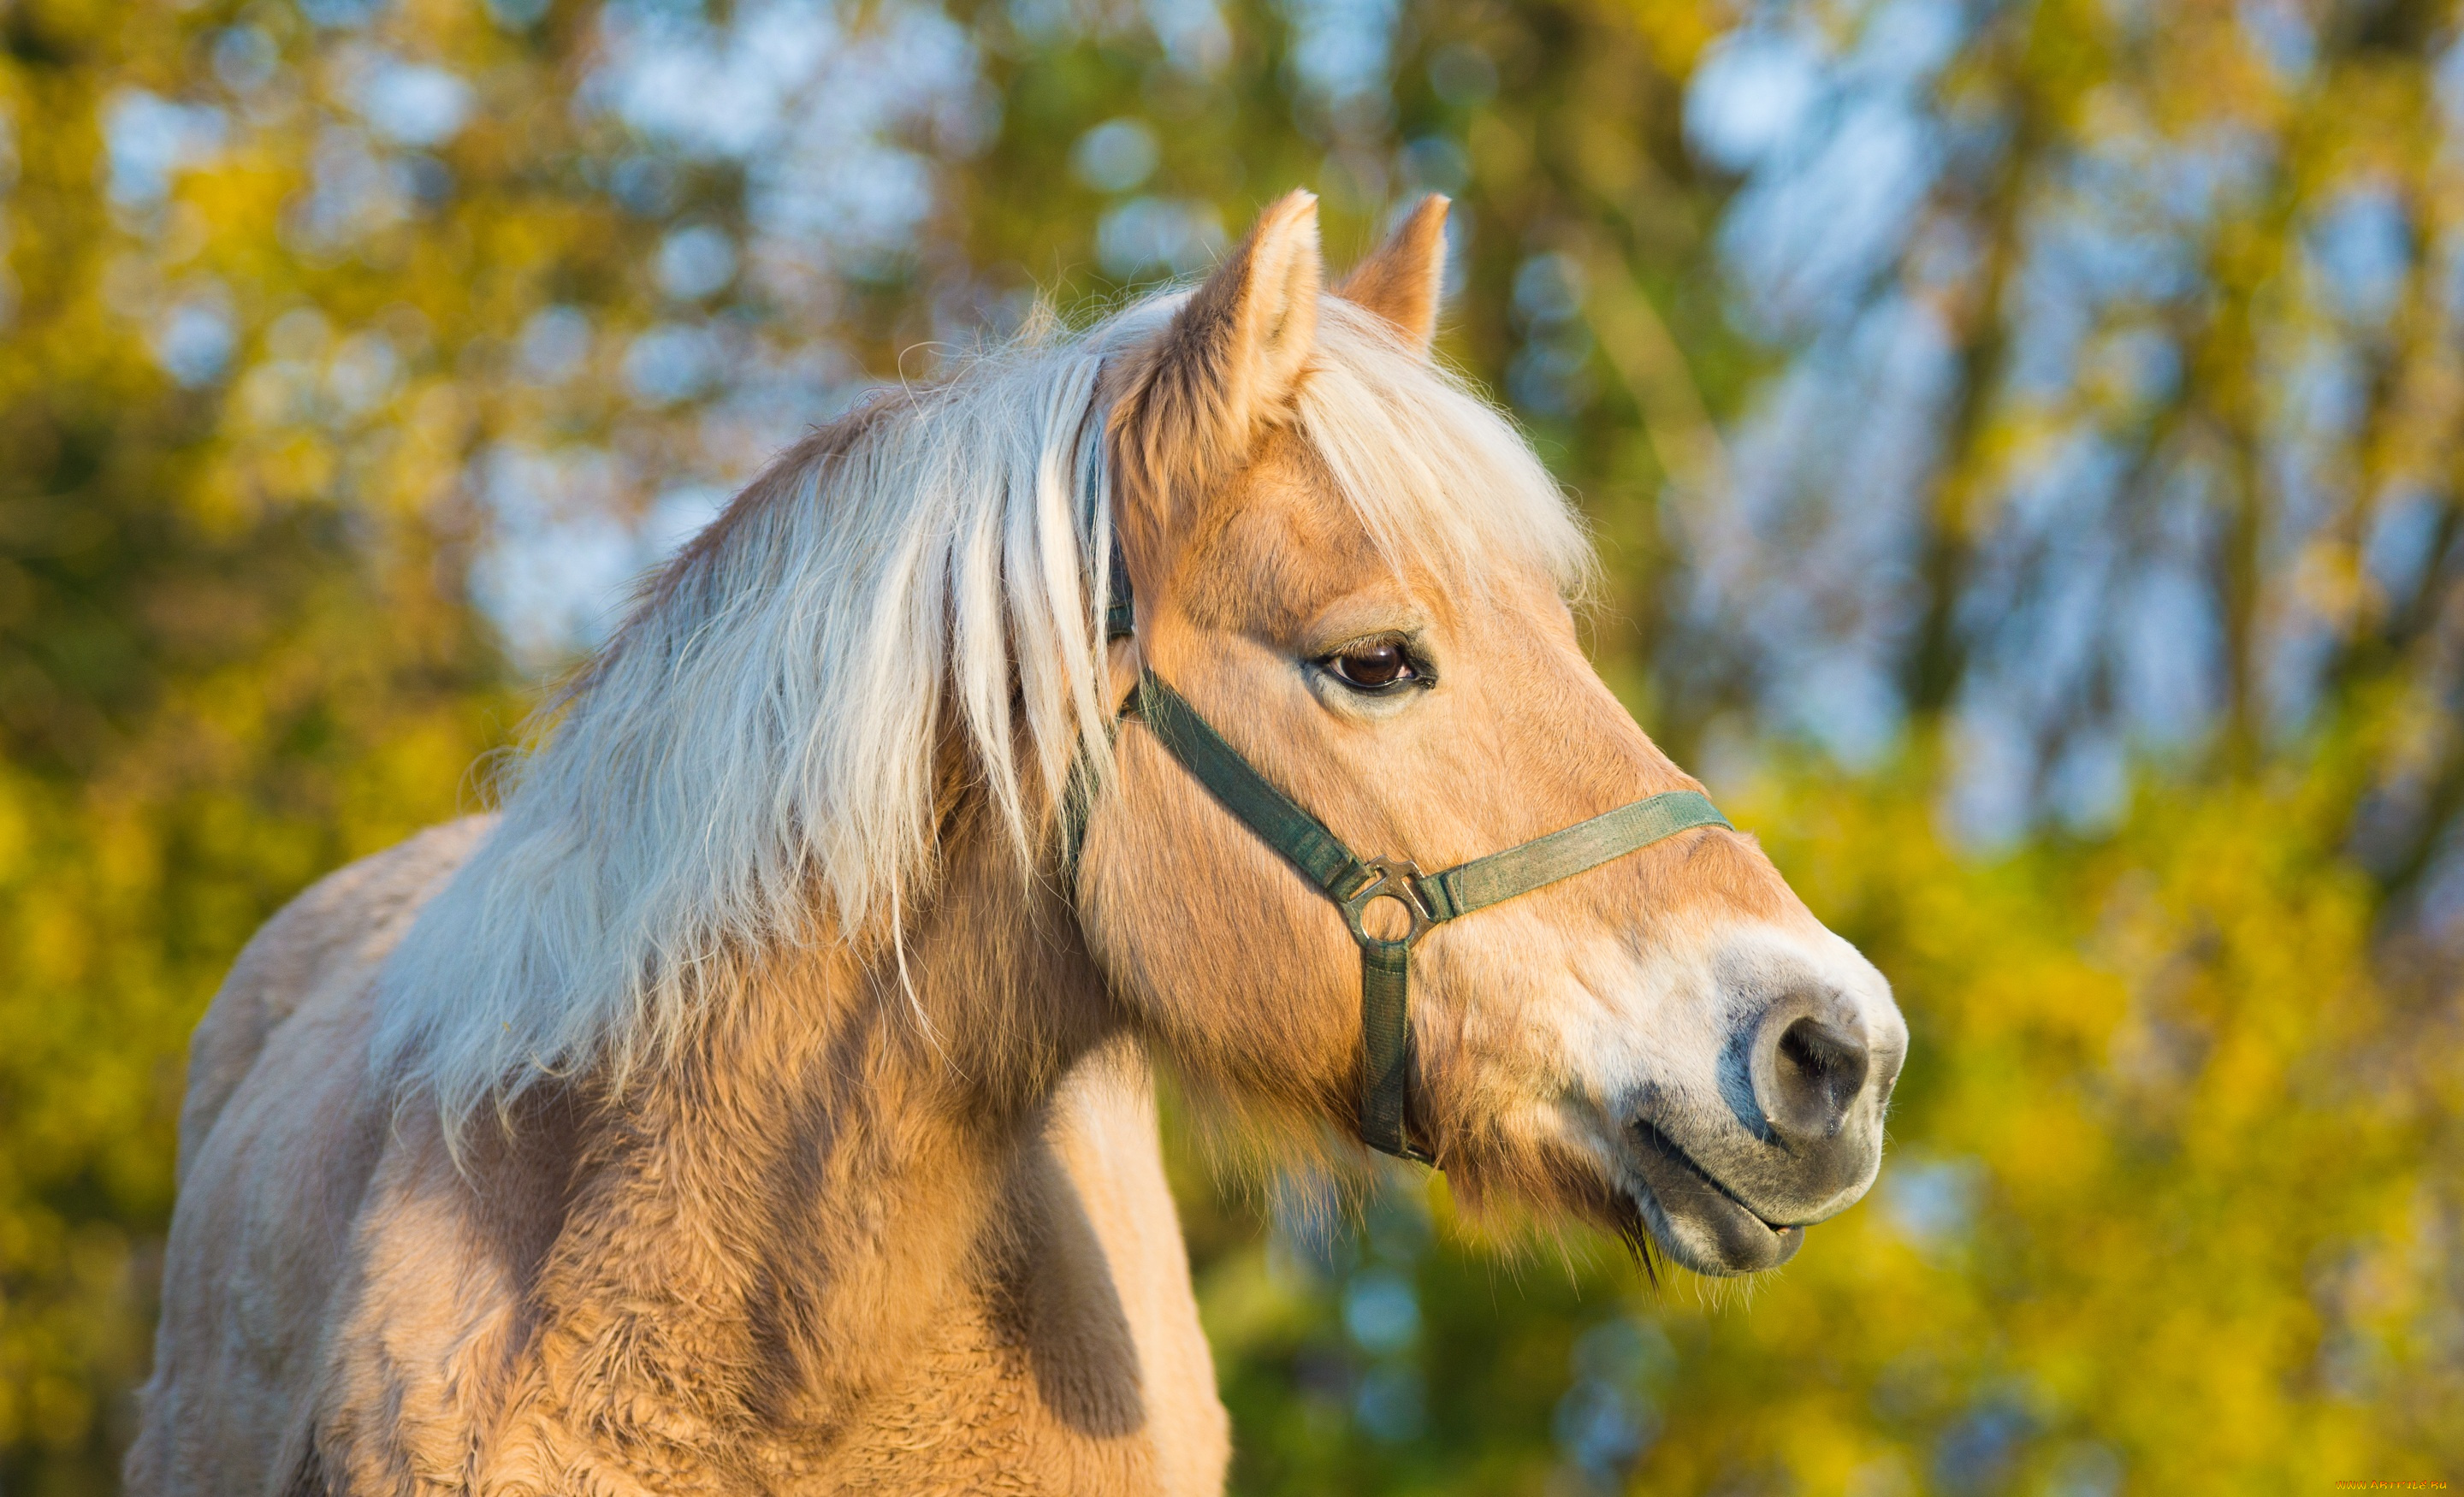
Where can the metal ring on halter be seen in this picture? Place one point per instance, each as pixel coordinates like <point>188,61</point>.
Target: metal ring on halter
<point>1389,878</point>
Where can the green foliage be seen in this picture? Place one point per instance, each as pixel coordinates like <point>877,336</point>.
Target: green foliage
<point>2172,1192</point>
<point>225,666</point>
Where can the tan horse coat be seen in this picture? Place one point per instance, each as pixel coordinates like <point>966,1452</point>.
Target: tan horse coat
<point>323,1260</point>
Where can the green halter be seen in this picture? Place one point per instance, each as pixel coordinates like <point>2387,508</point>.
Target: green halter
<point>1354,883</point>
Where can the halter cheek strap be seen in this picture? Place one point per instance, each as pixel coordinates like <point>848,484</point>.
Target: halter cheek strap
<point>1354,883</point>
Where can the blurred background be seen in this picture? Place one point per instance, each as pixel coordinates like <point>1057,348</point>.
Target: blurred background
<point>2023,438</point>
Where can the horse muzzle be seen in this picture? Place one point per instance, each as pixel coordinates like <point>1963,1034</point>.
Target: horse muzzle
<point>1805,1080</point>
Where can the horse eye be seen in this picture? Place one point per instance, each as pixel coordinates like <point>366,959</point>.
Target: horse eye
<point>1373,665</point>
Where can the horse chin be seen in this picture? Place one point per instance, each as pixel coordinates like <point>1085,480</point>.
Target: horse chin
<point>1694,1219</point>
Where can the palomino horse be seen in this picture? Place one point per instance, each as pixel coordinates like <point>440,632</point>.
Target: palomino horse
<point>757,1104</point>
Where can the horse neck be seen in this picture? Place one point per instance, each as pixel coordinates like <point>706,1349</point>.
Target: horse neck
<point>792,1206</point>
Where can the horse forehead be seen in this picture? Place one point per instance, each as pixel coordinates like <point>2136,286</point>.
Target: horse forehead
<point>1280,544</point>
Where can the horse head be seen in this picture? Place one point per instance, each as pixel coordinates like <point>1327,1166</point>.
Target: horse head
<point>1353,579</point>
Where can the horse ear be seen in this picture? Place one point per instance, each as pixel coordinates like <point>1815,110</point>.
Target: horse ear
<point>1228,364</point>
<point>1402,280</point>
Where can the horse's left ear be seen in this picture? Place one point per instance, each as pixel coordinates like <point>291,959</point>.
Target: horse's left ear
<point>1198,397</point>
<point>1402,281</point>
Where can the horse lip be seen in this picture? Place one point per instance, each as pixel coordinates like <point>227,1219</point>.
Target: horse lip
<point>1656,1141</point>
<point>1680,1194</point>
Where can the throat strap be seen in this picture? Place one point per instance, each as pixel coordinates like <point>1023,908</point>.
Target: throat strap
<point>1354,883</point>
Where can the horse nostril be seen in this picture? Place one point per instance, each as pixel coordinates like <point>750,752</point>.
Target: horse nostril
<point>1816,1071</point>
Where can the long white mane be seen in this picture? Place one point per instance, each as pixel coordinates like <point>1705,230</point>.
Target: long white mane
<point>751,762</point>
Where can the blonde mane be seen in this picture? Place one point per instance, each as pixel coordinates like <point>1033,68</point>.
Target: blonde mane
<point>754,758</point>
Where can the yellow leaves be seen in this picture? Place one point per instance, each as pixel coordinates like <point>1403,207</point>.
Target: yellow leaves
<point>240,199</point>
<point>86,1268</point>
<point>216,685</point>
<point>298,470</point>
<point>52,948</point>
<point>1675,32</point>
<point>1245,1304</point>
<point>437,427</point>
<point>2141,1118</point>
<point>16,835</point>
<point>422,776</point>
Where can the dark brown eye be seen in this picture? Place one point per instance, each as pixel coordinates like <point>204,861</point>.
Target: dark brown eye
<point>1373,665</point>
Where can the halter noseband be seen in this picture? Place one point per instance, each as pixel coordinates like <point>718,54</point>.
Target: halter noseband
<point>1354,883</point>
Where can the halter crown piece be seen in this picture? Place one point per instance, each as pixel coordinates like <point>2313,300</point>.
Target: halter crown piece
<point>1354,883</point>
